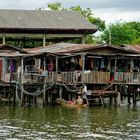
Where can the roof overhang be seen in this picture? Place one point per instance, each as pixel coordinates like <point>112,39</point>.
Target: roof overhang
<point>47,31</point>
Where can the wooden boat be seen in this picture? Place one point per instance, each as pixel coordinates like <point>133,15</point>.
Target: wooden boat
<point>74,105</point>
<point>70,105</point>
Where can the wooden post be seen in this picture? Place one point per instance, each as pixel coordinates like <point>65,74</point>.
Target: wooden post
<point>44,63</point>
<point>131,70</point>
<point>115,69</point>
<point>60,92</point>
<point>134,95</point>
<point>3,39</point>
<point>44,40</point>
<point>83,66</point>
<point>39,63</point>
<point>129,102</point>
<point>16,94</point>
<point>110,38</point>
<point>56,63</point>
<point>118,98</point>
<point>22,70</point>
<point>83,39</point>
<point>110,100</point>
<point>44,91</point>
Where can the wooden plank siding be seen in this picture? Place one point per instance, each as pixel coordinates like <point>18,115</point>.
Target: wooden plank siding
<point>96,77</point>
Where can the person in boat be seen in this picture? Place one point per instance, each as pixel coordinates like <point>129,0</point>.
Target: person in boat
<point>84,94</point>
<point>79,100</point>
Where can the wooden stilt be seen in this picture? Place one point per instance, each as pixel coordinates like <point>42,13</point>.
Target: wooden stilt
<point>129,102</point>
<point>134,96</point>
<point>44,92</point>
<point>110,100</point>
<point>22,81</point>
<point>115,99</point>
<point>14,98</point>
<point>29,100</point>
<point>118,98</point>
<point>60,92</point>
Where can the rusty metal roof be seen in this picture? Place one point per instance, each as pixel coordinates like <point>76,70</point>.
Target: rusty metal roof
<point>7,48</point>
<point>14,54</point>
<point>133,47</point>
<point>12,51</point>
<point>38,21</point>
<point>74,48</point>
<point>60,48</point>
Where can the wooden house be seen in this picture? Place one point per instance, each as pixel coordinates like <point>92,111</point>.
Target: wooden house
<point>92,64</point>
<point>42,25</point>
<point>10,60</point>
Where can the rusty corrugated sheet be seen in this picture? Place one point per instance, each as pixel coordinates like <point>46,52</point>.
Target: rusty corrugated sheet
<point>73,48</point>
<point>62,48</point>
<point>134,47</point>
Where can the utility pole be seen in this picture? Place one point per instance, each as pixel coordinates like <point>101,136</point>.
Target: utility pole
<point>110,38</point>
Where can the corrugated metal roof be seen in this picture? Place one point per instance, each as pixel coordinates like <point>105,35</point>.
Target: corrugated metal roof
<point>3,46</point>
<point>45,19</point>
<point>134,47</point>
<point>74,48</point>
<point>60,48</point>
<point>14,54</point>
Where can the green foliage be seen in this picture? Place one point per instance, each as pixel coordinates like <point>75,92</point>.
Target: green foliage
<point>136,41</point>
<point>121,33</point>
<point>55,6</point>
<point>100,24</point>
<point>136,26</point>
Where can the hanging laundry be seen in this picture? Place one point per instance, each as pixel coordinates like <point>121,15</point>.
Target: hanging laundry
<point>102,64</point>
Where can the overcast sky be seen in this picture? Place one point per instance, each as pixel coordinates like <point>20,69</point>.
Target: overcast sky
<point>108,10</point>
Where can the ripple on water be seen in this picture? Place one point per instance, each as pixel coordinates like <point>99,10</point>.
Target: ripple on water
<point>91,135</point>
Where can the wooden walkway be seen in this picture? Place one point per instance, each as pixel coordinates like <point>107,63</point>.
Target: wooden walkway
<point>102,94</point>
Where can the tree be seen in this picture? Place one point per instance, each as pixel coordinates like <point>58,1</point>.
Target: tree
<point>136,41</point>
<point>55,6</point>
<point>87,13</point>
<point>136,26</point>
<point>121,33</point>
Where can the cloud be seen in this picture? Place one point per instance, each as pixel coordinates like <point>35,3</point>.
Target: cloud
<point>112,15</point>
<point>22,4</point>
<point>108,10</point>
<point>105,4</point>
<point>128,5</point>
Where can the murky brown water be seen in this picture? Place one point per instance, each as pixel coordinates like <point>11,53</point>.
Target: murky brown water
<point>57,123</point>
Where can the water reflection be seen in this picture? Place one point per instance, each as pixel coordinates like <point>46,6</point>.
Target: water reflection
<point>66,123</point>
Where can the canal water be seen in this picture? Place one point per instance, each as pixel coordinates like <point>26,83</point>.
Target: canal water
<point>58,123</point>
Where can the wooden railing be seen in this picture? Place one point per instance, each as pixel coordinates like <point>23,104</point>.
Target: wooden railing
<point>127,77</point>
<point>77,76</point>
<point>37,78</point>
<point>69,77</point>
<point>86,77</point>
<point>99,77</point>
<point>135,77</point>
<point>122,77</point>
<point>96,77</point>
